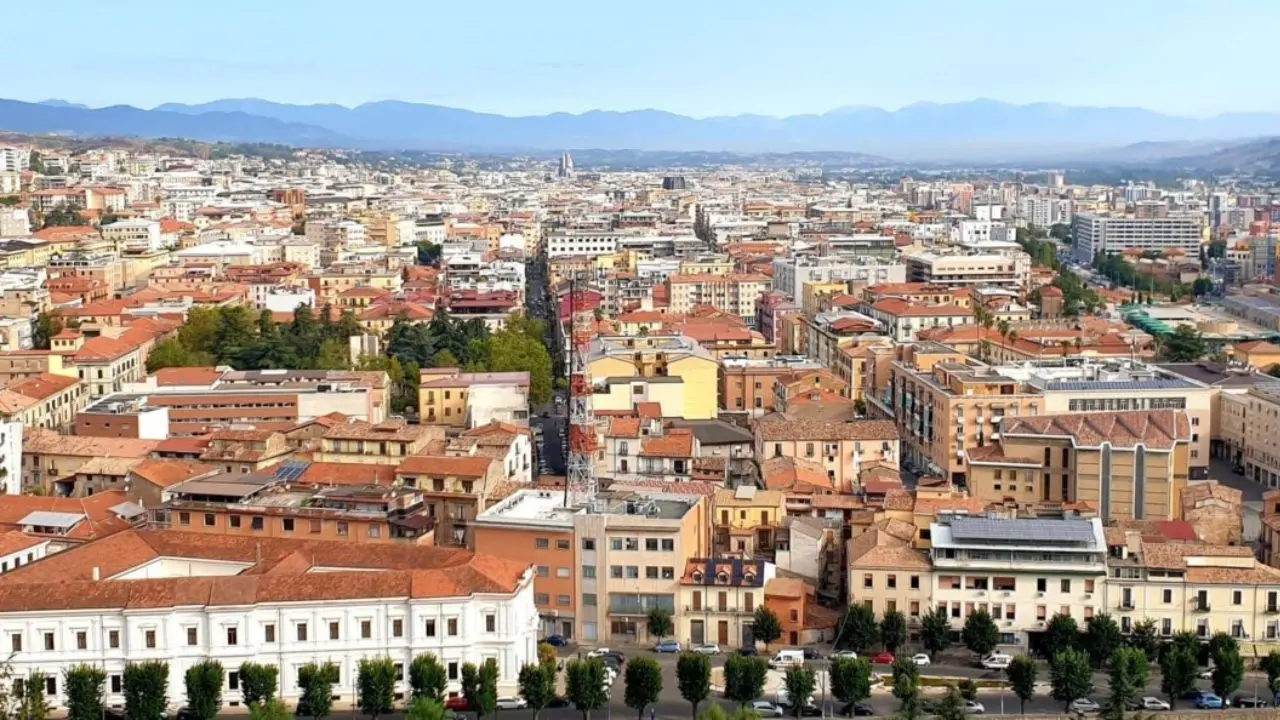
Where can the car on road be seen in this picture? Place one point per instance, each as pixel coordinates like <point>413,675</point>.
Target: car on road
<point>973,707</point>
<point>706,649</point>
<point>667,646</point>
<point>1206,674</point>
<point>616,656</point>
<point>458,703</point>
<point>510,703</point>
<point>1241,701</point>
<point>806,710</point>
<point>844,655</point>
<point>764,709</point>
<point>921,660</point>
<point>1085,705</point>
<point>1149,703</point>
<point>557,641</point>
<point>884,658</point>
<point>996,662</point>
<point>598,652</point>
<point>859,709</point>
<point>748,651</point>
<point>1209,701</point>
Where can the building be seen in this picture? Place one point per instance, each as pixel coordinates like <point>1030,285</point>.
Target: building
<point>1095,234</point>
<point>1011,270</point>
<point>450,397</point>
<point>719,597</point>
<point>672,370</point>
<point>236,599</point>
<point>735,293</point>
<point>790,274</point>
<point>843,449</point>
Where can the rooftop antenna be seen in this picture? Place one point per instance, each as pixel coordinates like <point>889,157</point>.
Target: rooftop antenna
<point>581,483</point>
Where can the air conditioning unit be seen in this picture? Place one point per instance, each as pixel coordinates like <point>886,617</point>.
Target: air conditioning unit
<point>1088,596</point>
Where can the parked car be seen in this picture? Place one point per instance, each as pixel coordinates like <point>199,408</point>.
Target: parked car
<point>667,646</point>
<point>457,702</point>
<point>844,654</point>
<point>1085,705</point>
<point>558,702</point>
<point>806,710</point>
<point>748,651</point>
<point>706,649</point>
<point>1150,703</point>
<point>811,654</point>
<point>1241,701</point>
<point>921,660</point>
<point>973,707</point>
<point>510,703</point>
<point>1208,701</point>
<point>1206,674</point>
<point>598,652</point>
<point>556,641</point>
<point>996,661</point>
<point>884,658</point>
<point>861,709</point>
<point>615,656</point>
<point>764,709</point>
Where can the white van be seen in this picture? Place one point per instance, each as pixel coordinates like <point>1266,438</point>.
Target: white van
<point>787,658</point>
<point>996,661</point>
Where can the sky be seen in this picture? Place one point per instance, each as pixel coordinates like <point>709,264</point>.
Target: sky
<point>694,57</point>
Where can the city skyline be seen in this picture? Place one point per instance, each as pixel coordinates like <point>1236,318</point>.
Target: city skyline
<point>702,61</point>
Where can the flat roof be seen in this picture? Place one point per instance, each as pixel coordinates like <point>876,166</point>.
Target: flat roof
<point>48,518</point>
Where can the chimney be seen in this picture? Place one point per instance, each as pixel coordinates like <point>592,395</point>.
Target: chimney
<point>97,573</point>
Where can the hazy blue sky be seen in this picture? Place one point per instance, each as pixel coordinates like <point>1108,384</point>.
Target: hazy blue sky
<point>697,57</point>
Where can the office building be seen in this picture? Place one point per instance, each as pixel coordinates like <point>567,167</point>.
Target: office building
<point>1095,234</point>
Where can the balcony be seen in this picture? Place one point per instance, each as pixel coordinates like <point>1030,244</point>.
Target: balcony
<point>1201,605</point>
<point>1126,604</point>
<point>717,610</point>
<point>1273,609</point>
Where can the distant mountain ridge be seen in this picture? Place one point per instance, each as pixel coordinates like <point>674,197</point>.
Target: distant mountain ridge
<point>923,131</point>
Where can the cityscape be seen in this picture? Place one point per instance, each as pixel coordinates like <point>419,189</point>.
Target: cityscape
<point>396,408</point>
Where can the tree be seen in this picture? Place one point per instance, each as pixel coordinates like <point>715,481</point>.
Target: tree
<point>1228,671</point>
<point>273,709</point>
<point>980,633</point>
<point>858,629</point>
<point>537,682</point>
<point>693,677</point>
<point>906,687</point>
<point>1178,670</point>
<point>1186,640</point>
<point>1060,634</point>
<point>33,705</point>
<point>445,359</point>
<point>258,683</point>
<point>67,215</point>
<point>480,687</point>
<point>660,624</point>
<point>146,689</point>
<point>935,631</point>
<point>429,253</point>
<point>850,679</point>
<point>744,678</point>
<point>893,630</point>
<point>1271,666</point>
<point>952,706</point>
<point>799,682</point>
<point>1128,678</point>
<point>1070,676</point>
<point>1221,642</point>
<point>1102,637</point>
<point>427,677</point>
<point>514,351</point>
<point>547,655</point>
<point>333,355</point>
<point>1022,674</point>
<point>1185,344</point>
<point>84,685</point>
<point>424,708</point>
<point>316,682</point>
<point>644,684</point>
<point>765,626</point>
<point>48,324</point>
<point>584,685</point>
<point>35,162</point>
<point>204,689</point>
<point>968,688</point>
<point>376,684</point>
<point>1144,637</point>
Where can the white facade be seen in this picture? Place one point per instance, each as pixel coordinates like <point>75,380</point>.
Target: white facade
<point>10,458</point>
<point>278,298</point>
<point>14,159</point>
<point>135,235</point>
<point>15,222</point>
<point>562,244</point>
<point>790,274</point>
<point>1100,234</point>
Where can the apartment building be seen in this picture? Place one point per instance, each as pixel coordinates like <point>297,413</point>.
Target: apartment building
<point>1251,432</point>
<point>568,243</point>
<point>791,274</point>
<point>719,597</point>
<point>452,398</point>
<point>679,364</point>
<point>386,443</point>
<point>843,449</point>
<point>736,293</point>
<point>1011,271</point>
<point>48,456</point>
<point>455,490</point>
<point>903,319</point>
<point>748,385</point>
<point>1093,233</point>
<point>1022,572</point>
<point>886,573</point>
<point>46,401</point>
<point>746,520</point>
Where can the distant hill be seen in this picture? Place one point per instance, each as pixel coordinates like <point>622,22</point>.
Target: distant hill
<point>1261,156</point>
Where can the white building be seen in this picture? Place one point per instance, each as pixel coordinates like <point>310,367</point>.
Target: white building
<point>14,222</point>
<point>562,243</point>
<point>134,235</point>
<point>14,159</point>
<point>187,597</point>
<point>10,458</point>
<point>790,274</point>
<point>282,298</point>
<point>1101,234</point>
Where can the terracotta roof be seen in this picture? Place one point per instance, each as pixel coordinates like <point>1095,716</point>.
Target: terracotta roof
<point>99,519</point>
<point>784,426</point>
<point>347,474</point>
<point>445,466</point>
<point>677,443</point>
<point>389,430</point>
<point>44,385</point>
<point>1193,495</point>
<point>166,473</point>
<point>48,442</point>
<point>200,376</point>
<point>16,541</point>
<point>1155,429</point>
<point>794,474</point>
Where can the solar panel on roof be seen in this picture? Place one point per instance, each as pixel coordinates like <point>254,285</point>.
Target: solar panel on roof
<point>1064,531</point>
<point>1118,385</point>
<point>291,470</point>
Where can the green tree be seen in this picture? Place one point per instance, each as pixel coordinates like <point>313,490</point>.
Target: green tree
<point>35,163</point>
<point>423,708</point>
<point>659,622</point>
<point>1144,637</point>
<point>935,631</point>
<point>799,682</point>
<point>644,684</point>
<point>1188,641</point>
<point>513,351</point>
<point>480,687</point>
<point>1228,671</point>
<point>980,633</point>
<point>1178,670</point>
<point>376,685</point>
<point>146,689</point>
<point>1070,676</point>
<point>952,706</point>
<point>1271,666</point>
<point>1184,344</point>
<point>429,253</point>
<point>197,333</point>
<point>67,215</point>
<point>584,685</point>
<point>1128,678</point>
<point>893,630</point>
<point>427,677</point>
<point>204,689</point>
<point>445,359</point>
<point>1221,642</point>
<point>1022,674</point>
<point>33,704</point>
<point>547,655</point>
<point>47,325</point>
<point>258,683</point>
<point>333,355</point>
<point>744,678</point>
<point>1061,633</point>
<point>316,682</point>
<point>859,629</point>
<point>84,685</point>
<point>968,688</point>
<point>537,682</point>
<point>273,709</point>
<point>1101,638</point>
<point>693,677</point>
<point>170,352</point>
<point>850,679</point>
<point>906,688</point>
<point>765,627</point>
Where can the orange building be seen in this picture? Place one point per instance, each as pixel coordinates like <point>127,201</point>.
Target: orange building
<point>803,620</point>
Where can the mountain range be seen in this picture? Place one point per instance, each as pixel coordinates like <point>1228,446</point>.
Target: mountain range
<point>978,129</point>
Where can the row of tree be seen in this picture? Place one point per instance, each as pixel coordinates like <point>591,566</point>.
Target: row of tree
<point>1076,296</point>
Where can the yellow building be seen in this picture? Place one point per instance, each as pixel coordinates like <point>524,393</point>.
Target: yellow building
<point>450,397</point>
<point>746,519</point>
<point>385,443</point>
<point>813,293</point>
<point>678,359</point>
<point>718,599</point>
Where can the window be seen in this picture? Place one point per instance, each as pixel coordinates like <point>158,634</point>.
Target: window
<point>256,522</point>
<point>233,636</point>
<point>342,528</point>
<point>149,638</point>
<point>588,543</point>
<point>562,544</point>
<point>233,521</point>
<point>431,628</point>
<point>366,629</point>
<point>15,642</point>
<point>490,623</point>
<point>541,543</point>
<point>892,582</point>
<point>633,572</point>
<point>668,573</point>
<point>233,680</point>
<point>269,633</point>
<point>184,518</point>
<point>615,543</point>
<point>588,598</point>
<point>915,582</point>
<point>117,684</point>
<point>563,572</point>
<point>651,544</point>
<point>868,581</point>
<point>51,685</point>
<point>333,631</point>
<point>1041,584</point>
<point>453,671</point>
<point>541,599</point>
<point>397,628</point>
<point>615,571</point>
<point>210,519</point>
<point>1066,585</point>
<point>192,636</point>
<point>302,632</point>
<point>452,625</point>
<point>650,572</point>
<point>544,571</point>
<point>563,600</point>
<point>668,545</point>
<point>82,640</point>
<point>588,572</point>
<point>795,616</point>
<point>316,526</point>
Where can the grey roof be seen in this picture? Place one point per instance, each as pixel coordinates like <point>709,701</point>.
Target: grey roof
<point>1111,385</point>
<point>46,518</point>
<point>1052,531</point>
<point>127,510</point>
<point>715,432</point>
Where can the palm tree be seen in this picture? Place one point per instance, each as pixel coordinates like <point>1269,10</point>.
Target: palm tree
<point>1003,328</point>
